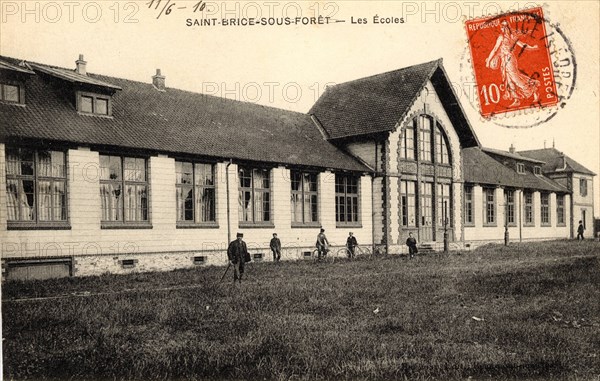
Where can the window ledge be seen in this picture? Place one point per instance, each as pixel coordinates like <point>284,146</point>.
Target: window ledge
<point>561,225</point>
<point>198,226</point>
<point>13,103</point>
<point>312,225</point>
<point>125,226</point>
<point>250,225</point>
<point>490,225</point>
<point>29,226</point>
<point>469,224</point>
<point>529,225</point>
<point>546,225</point>
<point>342,226</point>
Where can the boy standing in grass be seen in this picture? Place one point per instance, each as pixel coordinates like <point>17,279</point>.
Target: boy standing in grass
<point>238,255</point>
<point>275,245</point>
<point>351,244</point>
<point>411,242</point>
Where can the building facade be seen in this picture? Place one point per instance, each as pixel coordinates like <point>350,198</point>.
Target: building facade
<point>106,175</point>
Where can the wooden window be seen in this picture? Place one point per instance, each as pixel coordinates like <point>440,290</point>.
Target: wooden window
<point>195,193</point>
<point>560,210</point>
<point>443,206</point>
<point>510,207</point>
<point>95,104</point>
<point>123,191</point>
<point>537,170</point>
<point>442,152</point>
<point>36,188</point>
<point>254,195</point>
<point>426,129</point>
<point>304,198</point>
<point>528,206</point>
<point>347,208</point>
<point>10,93</point>
<point>520,168</point>
<point>469,212</point>
<point>583,189</point>
<point>408,203</point>
<point>545,208</point>
<point>489,200</point>
<point>426,201</point>
<point>407,142</point>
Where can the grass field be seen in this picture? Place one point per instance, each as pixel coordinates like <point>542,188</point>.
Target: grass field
<point>524,312</point>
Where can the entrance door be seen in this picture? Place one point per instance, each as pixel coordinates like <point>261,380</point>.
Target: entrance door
<point>426,231</point>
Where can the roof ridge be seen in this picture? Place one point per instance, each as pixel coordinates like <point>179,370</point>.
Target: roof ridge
<point>437,62</point>
<point>168,88</point>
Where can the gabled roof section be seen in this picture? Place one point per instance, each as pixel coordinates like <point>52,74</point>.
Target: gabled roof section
<point>174,122</point>
<point>72,76</point>
<point>13,67</point>
<point>516,155</point>
<point>480,168</point>
<point>377,103</point>
<point>554,162</point>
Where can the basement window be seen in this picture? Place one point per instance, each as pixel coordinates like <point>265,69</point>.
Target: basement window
<point>129,263</point>
<point>258,256</point>
<point>199,260</point>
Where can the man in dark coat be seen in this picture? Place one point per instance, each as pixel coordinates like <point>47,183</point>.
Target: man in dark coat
<point>580,230</point>
<point>411,242</point>
<point>322,244</point>
<point>238,256</point>
<point>275,247</point>
<point>351,244</point>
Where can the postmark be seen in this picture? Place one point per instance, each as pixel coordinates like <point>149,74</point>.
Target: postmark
<point>523,67</point>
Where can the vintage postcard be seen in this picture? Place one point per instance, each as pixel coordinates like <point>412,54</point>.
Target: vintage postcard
<point>194,189</point>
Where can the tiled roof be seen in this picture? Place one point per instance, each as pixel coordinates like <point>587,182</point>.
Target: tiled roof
<point>480,168</point>
<point>173,121</point>
<point>511,155</point>
<point>553,159</point>
<point>377,103</point>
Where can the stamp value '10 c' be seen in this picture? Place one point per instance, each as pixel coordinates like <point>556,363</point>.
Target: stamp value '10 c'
<point>511,62</point>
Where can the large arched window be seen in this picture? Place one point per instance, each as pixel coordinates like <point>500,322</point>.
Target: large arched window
<point>425,197</point>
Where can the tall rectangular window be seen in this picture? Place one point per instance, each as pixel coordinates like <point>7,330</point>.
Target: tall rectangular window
<point>195,193</point>
<point>510,207</point>
<point>583,189</point>
<point>347,209</point>
<point>469,216</point>
<point>560,209</point>
<point>489,206</point>
<point>545,208</point>
<point>304,197</point>
<point>443,207</point>
<point>407,142</point>
<point>528,208</point>
<point>254,195</point>
<point>426,132</point>
<point>123,190</point>
<point>36,186</point>
<point>407,203</point>
<point>426,201</point>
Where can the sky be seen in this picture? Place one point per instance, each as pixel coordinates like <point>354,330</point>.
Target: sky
<point>289,66</point>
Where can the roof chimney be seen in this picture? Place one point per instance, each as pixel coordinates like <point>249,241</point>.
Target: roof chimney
<point>81,65</point>
<point>158,80</point>
<point>512,148</point>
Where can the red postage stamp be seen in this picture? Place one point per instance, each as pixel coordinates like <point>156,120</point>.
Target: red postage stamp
<point>511,62</point>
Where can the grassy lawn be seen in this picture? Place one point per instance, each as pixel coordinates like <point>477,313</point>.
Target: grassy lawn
<point>528,311</point>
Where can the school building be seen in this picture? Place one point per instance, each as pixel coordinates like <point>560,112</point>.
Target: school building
<point>108,175</point>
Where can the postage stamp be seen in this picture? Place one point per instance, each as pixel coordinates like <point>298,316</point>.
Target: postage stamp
<point>511,61</point>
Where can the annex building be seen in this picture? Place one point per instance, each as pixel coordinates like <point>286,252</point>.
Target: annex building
<point>101,174</point>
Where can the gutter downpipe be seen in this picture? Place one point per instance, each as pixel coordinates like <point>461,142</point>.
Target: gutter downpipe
<point>228,206</point>
<point>373,202</point>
